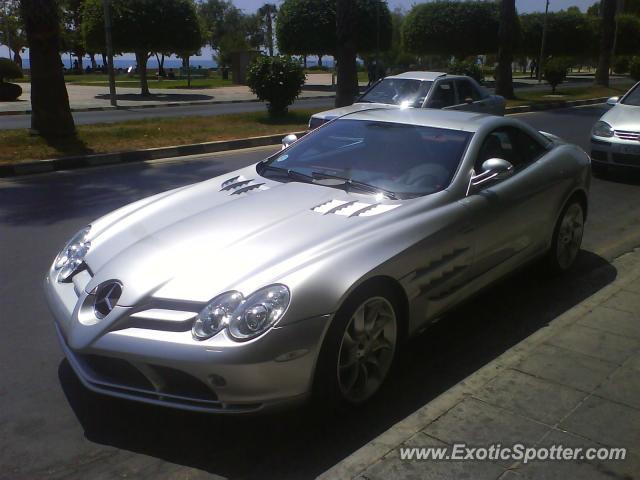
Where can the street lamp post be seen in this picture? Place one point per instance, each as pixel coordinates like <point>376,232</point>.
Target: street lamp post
<point>544,38</point>
<point>7,30</point>
<point>109,47</point>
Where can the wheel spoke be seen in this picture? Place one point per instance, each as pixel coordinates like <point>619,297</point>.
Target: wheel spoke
<point>358,321</point>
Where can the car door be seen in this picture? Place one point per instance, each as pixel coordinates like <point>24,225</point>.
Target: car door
<point>442,95</point>
<point>512,220</point>
<point>470,98</point>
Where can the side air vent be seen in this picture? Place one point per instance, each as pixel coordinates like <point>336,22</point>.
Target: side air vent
<point>240,184</point>
<point>353,209</point>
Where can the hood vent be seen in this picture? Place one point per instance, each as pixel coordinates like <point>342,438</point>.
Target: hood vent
<point>353,209</point>
<point>240,184</point>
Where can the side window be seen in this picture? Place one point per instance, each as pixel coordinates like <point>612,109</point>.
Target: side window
<point>529,150</point>
<point>498,144</point>
<point>465,91</point>
<point>510,144</point>
<point>443,95</point>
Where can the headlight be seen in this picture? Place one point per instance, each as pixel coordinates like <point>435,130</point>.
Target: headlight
<point>216,315</point>
<point>72,255</point>
<point>259,312</point>
<point>244,318</point>
<point>602,129</point>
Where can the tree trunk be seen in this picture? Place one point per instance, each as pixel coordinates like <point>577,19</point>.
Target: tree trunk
<point>94,64</point>
<point>320,61</point>
<point>160,59</point>
<point>304,61</point>
<point>607,32</point>
<point>17,57</point>
<point>104,61</point>
<point>270,34</point>
<point>141,60</point>
<point>347,72</point>
<point>507,35</point>
<point>51,115</point>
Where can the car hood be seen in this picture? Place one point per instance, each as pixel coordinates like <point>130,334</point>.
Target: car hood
<point>623,117</point>
<point>356,107</point>
<point>235,232</point>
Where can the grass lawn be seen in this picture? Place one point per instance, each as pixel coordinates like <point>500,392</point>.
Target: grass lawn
<point>567,93</point>
<point>19,146</point>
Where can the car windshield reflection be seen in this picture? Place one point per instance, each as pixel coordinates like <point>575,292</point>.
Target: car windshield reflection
<point>398,91</point>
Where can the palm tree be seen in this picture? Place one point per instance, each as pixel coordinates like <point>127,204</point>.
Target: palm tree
<point>267,13</point>
<point>507,35</point>
<point>607,32</point>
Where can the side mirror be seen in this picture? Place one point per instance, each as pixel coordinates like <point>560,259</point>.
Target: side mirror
<point>288,140</point>
<point>492,169</point>
<point>612,101</point>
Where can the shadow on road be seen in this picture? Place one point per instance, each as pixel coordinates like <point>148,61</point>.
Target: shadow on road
<point>157,97</point>
<point>301,443</point>
<point>626,175</point>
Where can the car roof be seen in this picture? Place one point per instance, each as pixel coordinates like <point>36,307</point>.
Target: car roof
<point>426,117</point>
<point>419,75</point>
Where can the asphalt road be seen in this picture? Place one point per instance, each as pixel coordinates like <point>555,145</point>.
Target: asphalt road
<point>51,427</point>
<point>9,122</point>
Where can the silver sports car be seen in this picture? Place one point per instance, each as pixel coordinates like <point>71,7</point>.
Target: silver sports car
<point>615,138</point>
<point>302,275</point>
<point>421,90</point>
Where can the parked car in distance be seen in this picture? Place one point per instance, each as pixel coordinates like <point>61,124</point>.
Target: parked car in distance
<point>301,275</point>
<point>421,90</point>
<point>615,138</point>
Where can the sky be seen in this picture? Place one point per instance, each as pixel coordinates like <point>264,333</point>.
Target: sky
<point>523,6</point>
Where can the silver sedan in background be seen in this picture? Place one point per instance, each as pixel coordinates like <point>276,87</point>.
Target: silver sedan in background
<point>302,275</point>
<point>615,138</point>
<point>421,90</point>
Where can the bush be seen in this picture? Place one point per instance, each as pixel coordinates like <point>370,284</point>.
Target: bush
<point>555,71</point>
<point>634,68</point>
<point>9,92</point>
<point>277,81</point>
<point>469,69</point>
<point>9,70</point>
<point>621,65</point>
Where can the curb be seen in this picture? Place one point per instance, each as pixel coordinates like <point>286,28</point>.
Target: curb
<point>553,105</point>
<point>354,465</point>
<point>160,105</point>
<point>82,161</point>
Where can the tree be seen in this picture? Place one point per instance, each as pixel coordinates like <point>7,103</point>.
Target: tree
<point>607,35</point>
<point>144,27</point>
<point>508,37</point>
<point>569,33</point>
<point>452,28</point>
<point>308,27</point>
<point>50,112</point>
<point>347,82</point>
<point>72,40</point>
<point>267,13</point>
<point>12,31</point>
<point>555,72</point>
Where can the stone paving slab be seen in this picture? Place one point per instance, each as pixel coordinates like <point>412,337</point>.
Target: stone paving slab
<point>575,382</point>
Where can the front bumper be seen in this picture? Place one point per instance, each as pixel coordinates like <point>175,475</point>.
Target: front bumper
<point>615,152</point>
<point>168,367</point>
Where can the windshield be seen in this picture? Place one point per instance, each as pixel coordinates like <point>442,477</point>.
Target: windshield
<point>398,91</point>
<point>633,97</point>
<point>407,160</point>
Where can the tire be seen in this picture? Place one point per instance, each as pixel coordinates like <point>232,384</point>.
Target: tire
<point>567,237</point>
<point>599,170</point>
<point>359,349</point>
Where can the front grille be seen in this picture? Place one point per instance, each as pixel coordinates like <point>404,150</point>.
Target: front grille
<point>116,371</point>
<point>626,159</point>
<point>599,155</point>
<point>627,135</point>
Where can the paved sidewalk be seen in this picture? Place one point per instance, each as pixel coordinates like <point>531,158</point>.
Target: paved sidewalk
<point>574,383</point>
<point>90,97</point>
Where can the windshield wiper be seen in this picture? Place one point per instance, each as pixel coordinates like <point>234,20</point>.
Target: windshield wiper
<point>292,174</point>
<point>367,187</point>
